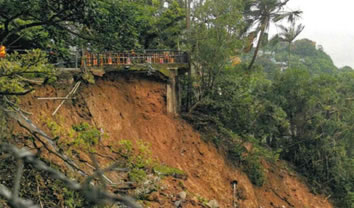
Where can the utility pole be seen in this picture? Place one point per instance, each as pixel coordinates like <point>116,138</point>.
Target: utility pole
<point>234,193</point>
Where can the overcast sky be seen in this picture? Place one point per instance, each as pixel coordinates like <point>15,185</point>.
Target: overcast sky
<point>331,24</point>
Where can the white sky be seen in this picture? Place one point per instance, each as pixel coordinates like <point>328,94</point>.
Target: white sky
<point>331,24</point>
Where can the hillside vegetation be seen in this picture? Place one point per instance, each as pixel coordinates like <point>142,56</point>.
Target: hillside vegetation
<point>257,99</point>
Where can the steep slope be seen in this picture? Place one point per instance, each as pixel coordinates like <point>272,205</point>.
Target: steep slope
<point>132,107</point>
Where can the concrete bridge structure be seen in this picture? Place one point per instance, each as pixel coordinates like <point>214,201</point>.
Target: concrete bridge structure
<point>169,64</point>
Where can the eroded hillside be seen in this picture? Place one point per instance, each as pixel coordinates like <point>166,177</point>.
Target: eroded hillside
<point>132,107</point>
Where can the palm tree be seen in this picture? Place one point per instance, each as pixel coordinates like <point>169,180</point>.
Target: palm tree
<point>289,34</point>
<point>259,14</point>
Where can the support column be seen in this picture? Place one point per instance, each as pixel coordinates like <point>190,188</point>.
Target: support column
<point>179,94</point>
<point>172,94</point>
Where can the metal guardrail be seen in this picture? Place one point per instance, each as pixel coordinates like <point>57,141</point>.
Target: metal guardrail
<point>90,59</point>
<point>97,59</point>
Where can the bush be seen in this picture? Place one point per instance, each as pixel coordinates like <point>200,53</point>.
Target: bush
<point>87,135</point>
<point>254,170</point>
<point>137,175</point>
<point>168,171</point>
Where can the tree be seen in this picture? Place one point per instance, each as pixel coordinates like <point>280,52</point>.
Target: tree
<point>164,27</point>
<point>214,38</point>
<point>289,34</point>
<point>97,25</point>
<point>346,68</point>
<point>305,53</point>
<point>18,72</point>
<point>259,14</point>
<point>18,16</point>
<point>320,114</point>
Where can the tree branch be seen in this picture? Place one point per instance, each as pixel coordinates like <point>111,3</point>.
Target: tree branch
<point>15,93</point>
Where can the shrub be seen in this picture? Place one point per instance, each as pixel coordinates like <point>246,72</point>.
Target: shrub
<point>168,171</point>
<point>137,175</point>
<point>254,170</point>
<point>86,135</point>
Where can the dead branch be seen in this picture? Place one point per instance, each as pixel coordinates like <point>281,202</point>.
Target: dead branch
<point>55,98</point>
<point>73,91</point>
<point>91,193</point>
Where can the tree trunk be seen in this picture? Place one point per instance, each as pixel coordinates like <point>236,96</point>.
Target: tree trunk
<point>289,55</point>
<point>258,46</point>
<point>188,14</point>
<point>188,27</point>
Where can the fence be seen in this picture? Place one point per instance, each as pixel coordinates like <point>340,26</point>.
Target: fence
<point>79,59</point>
<point>91,59</point>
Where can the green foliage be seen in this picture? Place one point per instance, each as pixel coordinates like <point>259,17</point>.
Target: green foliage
<point>86,135</point>
<point>115,25</point>
<point>318,116</point>
<point>139,157</point>
<point>349,200</point>
<point>18,72</point>
<point>124,24</point>
<point>260,14</point>
<point>125,148</point>
<point>162,27</point>
<point>4,131</point>
<point>82,135</point>
<point>240,102</point>
<point>168,171</point>
<point>42,24</point>
<point>213,39</point>
<point>55,128</point>
<point>98,25</point>
<point>254,170</point>
<point>140,161</point>
<point>72,199</point>
<point>137,175</point>
<point>88,77</point>
<point>202,200</point>
<point>305,55</point>
<point>304,116</point>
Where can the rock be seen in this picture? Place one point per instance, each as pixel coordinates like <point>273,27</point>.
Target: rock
<point>154,197</point>
<point>163,187</point>
<point>194,201</point>
<point>182,195</point>
<point>242,193</point>
<point>148,186</point>
<point>213,204</point>
<point>178,203</point>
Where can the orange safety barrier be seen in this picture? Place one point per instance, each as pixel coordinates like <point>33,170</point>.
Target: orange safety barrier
<point>118,59</point>
<point>166,56</point>
<point>109,59</point>
<point>2,51</point>
<point>95,61</point>
<point>156,59</point>
<point>101,60</point>
<point>132,57</point>
<point>88,59</point>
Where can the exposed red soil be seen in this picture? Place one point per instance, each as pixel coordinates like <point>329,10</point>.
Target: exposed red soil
<point>130,107</point>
